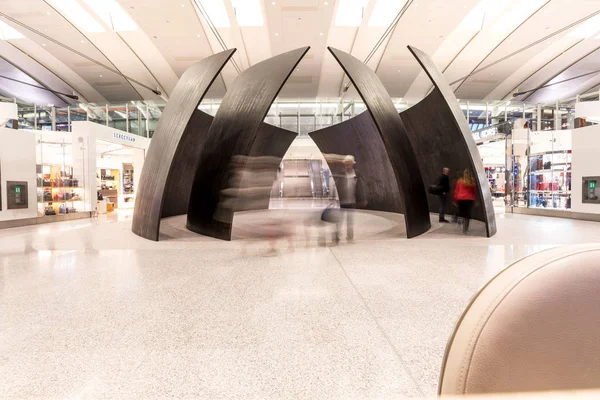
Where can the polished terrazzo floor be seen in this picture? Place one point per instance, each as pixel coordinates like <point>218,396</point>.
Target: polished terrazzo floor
<point>89,310</point>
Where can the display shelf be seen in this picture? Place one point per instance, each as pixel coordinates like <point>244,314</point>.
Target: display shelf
<point>59,201</point>
<point>60,187</point>
<point>547,171</point>
<point>550,153</point>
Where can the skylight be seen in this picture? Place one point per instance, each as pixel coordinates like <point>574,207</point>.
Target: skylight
<point>216,12</point>
<point>385,11</point>
<point>516,15</point>
<point>588,29</point>
<point>248,12</point>
<point>7,32</point>
<point>483,14</point>
<point>77,15</point>
<point>112,14</point>
<point>350,12</point>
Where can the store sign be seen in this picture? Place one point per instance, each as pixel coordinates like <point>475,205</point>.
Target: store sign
<point>123,137</point>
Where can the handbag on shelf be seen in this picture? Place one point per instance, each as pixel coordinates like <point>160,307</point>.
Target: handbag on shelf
<point>62,209</point>
<point>47,196</point>
<point>60,195</point>
<point>50,211</point>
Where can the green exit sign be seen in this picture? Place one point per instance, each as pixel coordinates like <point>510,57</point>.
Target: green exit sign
<point>17,189</point>
<point>592,184</point>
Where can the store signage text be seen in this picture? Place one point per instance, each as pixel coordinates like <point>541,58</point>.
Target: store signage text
<point>123,137</point>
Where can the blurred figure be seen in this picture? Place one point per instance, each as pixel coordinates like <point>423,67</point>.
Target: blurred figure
<point>444,183</point>
<point>249,188</point>
<point>464,197</point>
<point>347,182</point>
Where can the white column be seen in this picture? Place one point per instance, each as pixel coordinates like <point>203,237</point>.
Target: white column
<point>539,117</point>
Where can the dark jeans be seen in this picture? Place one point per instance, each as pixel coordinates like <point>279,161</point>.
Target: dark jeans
<point>442,198</point>
<point>464,211</point>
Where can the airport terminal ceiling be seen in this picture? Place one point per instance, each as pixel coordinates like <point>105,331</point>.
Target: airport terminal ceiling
<point>129,50</point>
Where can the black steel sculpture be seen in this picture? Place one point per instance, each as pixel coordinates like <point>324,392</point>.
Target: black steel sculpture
<point>175,147</point>
<point>441,137</point>
<point>359,137</point>
<point>233,137</point>
<point>407,175</point>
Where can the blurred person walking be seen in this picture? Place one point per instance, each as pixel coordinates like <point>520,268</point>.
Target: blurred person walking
<point>444,184</point>
<point>464,197</point>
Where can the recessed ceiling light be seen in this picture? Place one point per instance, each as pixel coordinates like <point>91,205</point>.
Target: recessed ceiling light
<point>198,35</point>
<point>273,3</point>
<point>321,34</point>
<point>398,70</point>
<point>326,3</point>
<point>276,34</point>
<point>100,76</point>
<point>44,44</point>
<point>297,69</point>
<point>183,5</point>
<point>48,12</point>
<point>83,41</point>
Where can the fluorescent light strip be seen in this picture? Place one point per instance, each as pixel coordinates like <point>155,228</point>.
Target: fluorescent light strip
<point>385,11</point>
<point>7,32</point>
<point>216,12</point>
<point>350,12</point>
<point>248,12</point>
<point>112,14</point>
<point>77,15</point>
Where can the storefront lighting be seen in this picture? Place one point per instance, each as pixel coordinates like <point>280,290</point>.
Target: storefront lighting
<point>216,11</point>
<point>385,11</point>
<point>7,32</point>
<point>350,12</point>
<point>248,12</point>
<point>112,14</point>
<point>75,13</point>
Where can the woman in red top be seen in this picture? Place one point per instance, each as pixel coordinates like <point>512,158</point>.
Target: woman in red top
<point>464,197</point>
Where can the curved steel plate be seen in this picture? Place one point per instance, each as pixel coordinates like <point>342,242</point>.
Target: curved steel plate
<point>395,139</point>
<point>232,137</point>
<point>359,137</point>
<point>441,137</point>
<point>175,123</point>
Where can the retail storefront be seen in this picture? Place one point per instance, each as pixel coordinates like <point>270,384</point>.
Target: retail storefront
<point>51,176</point>
<point>111,163</point>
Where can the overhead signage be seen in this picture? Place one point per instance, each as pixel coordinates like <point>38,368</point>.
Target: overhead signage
<point>121,136</point>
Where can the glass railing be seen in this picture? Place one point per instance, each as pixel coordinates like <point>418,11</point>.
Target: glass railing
<point>301,116</point>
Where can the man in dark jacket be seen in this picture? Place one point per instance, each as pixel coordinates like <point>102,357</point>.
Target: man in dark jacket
<point>444,189</point>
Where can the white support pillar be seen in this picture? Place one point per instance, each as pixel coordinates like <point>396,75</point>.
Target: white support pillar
<point>35,117</point>
<point>53,118</point>
<point>539,117</point>
<point>557,126</point>
<point>106,112</point>
<point>487,116</point>
<point>69,118</point>
<point>147,121</point>
<point>127,117</point>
